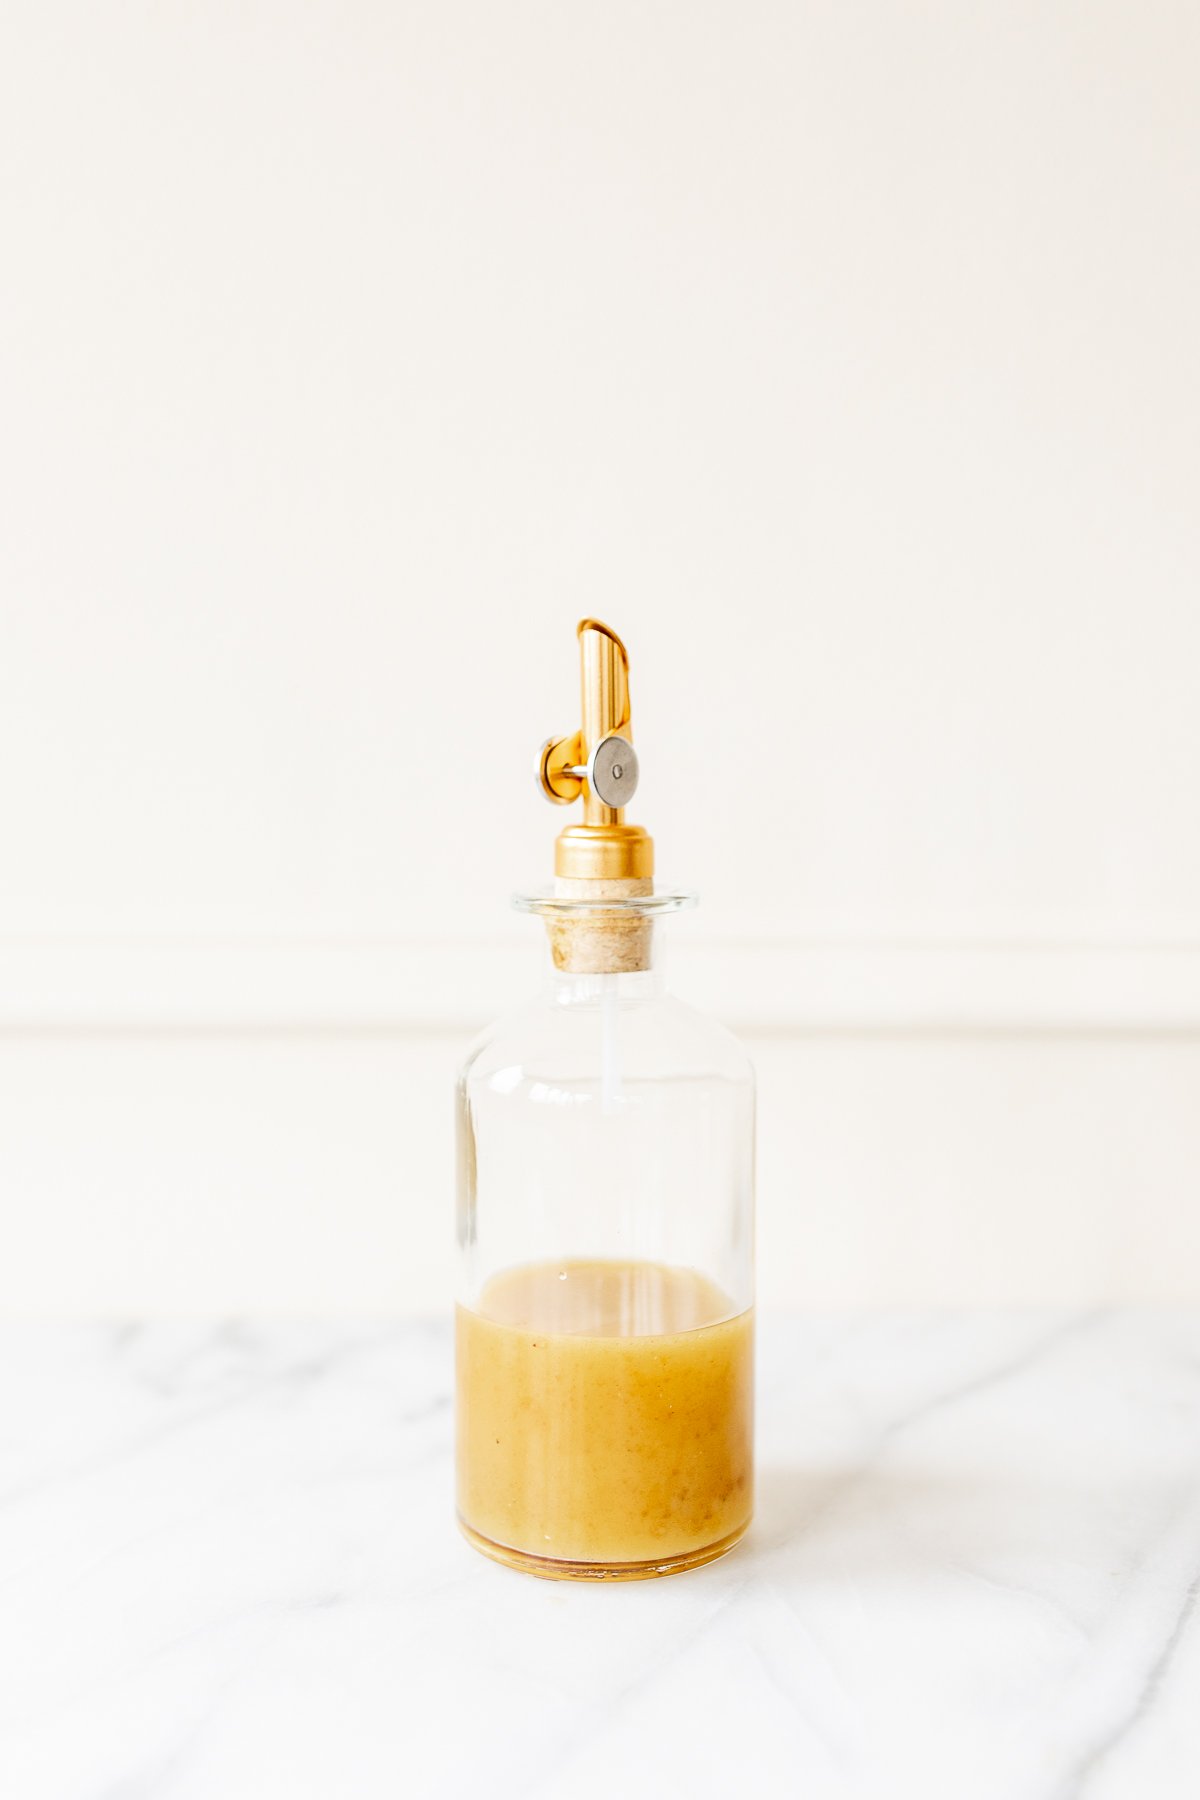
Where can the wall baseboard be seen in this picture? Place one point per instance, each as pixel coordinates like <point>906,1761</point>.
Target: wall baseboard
<point>790,987</point>
<point>267,1128</point>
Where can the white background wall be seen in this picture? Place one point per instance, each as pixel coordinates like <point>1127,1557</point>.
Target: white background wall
<point>845,358</point>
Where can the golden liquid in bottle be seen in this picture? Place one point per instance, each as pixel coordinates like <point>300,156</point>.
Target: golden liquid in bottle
<point>605,1419</point>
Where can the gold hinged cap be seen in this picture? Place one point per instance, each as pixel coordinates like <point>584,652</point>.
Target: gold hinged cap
<point>600,858</point>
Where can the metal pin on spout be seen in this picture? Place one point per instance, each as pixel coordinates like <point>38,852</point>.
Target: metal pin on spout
<point>611,771</point>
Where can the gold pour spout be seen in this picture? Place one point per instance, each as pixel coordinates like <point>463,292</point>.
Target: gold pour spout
<point>599,763</point>
<point>604,688</point>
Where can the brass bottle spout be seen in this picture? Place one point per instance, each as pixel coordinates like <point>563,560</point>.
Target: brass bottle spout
<point>604,687</point>
<point>598,763</point>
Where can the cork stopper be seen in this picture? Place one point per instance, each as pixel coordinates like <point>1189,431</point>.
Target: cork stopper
<point>602,942</point>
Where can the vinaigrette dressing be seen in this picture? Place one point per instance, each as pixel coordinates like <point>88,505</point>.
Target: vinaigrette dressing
<point>605,1417</point>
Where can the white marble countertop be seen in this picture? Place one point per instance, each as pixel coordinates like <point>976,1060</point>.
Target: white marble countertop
<point>228,1568</point>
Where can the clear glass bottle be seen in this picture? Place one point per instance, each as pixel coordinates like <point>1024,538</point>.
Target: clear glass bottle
<point>605,1224</point>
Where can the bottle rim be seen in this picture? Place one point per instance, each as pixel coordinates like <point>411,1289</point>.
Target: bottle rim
<point>548,905</point>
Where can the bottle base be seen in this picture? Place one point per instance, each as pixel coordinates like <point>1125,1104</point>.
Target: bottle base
<point>550,1568</point>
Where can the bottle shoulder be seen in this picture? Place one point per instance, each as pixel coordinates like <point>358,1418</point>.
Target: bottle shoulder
<point>705,1032</point>
<point>659,1032</point>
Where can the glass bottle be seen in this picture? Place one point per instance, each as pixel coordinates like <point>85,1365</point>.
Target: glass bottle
<point>604,1338</point>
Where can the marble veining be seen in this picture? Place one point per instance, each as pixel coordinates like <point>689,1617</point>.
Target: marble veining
<point>228,1568</point>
